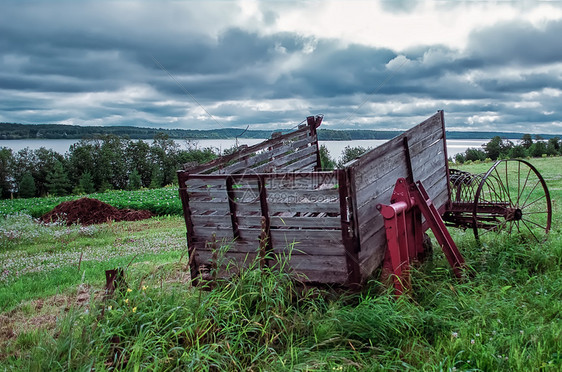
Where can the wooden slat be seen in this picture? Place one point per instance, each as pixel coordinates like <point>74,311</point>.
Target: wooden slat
<point>317,268</point>
<point>426,129</point>
<point>200,206</point>
<point>232,262</point>
<point>305,163</point>
<point>195,183</point>
<point>271,143</point>
<point>306,222</point>
<point>372,253</point>
<point>250,162</point>
<point>304,207</point>
<point>380,187</point>
<point>320,269</point>
<point>308,242</point>
<point>302,196</point>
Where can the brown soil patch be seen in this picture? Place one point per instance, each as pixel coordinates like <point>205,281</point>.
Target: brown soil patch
<point>87,211</point>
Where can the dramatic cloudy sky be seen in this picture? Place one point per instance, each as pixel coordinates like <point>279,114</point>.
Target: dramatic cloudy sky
<point>211,64</point>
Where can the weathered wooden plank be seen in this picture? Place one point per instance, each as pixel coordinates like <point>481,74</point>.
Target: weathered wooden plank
<point>380,186</point>
<point>427,128</point>
<point>208,193</point>
<point>249,162</point>
<point>304,207</point>
<point>305,163</point>
<point>372,221</point>
<point>212,220</point>
<point>277,163</point>
<point>320,269</point>
<point>322,242</point>
<point>372,253</point>
<point>201,206</point>
<point>388,165</point>
<point>271,143</point>
<point>230,264</point>
<point>196,183</point>
<point>318,222</point>
<point>309,248</point>
<point>396,160</point>
<point>302,196</point>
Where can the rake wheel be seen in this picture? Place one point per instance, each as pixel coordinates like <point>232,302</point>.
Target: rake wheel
<point>512,197</point>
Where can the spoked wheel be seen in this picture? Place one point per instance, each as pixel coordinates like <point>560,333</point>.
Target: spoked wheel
<point>512,198</point>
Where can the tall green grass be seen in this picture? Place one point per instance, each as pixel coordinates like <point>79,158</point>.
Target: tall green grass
<point>505,315</point>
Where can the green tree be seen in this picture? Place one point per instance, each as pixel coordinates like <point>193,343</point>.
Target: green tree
<point>537,149</point>
<point>138,157</point>
<point>135,182</point>
<point>518,151</point>
<point>526,141</point>
<point>24,162</point>
<point>553,146</point>
<point>6,168</point>
<point>81,158</point>
<point>113,161</point>
<point>57,182</point>
<point>156,180</point>
<point>45,162</point>
<point>86,183</point>
<point>349,153</point>
<point>497,148</point>
<point>165,153</point>
<point>327,162</point>
<point>27,186</point>
<point>459,158</point>
<point>474,154</point>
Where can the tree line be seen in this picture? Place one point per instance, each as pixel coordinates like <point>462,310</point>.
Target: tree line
<point>110,162</point>
<point>97,164</point>
<point>499,148</point>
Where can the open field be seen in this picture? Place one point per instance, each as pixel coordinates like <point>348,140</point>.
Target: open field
<point>505,316</point>
<point>159,201</point>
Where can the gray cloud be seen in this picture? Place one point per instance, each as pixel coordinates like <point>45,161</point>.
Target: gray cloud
<point>63,62</point>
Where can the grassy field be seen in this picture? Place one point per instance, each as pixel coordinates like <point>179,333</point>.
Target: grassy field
<point>505,316</point>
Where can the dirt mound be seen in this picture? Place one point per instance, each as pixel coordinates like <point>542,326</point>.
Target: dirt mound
<point>88,211</point>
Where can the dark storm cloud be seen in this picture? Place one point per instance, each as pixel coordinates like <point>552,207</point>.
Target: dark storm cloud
<point>112,67</point>
<point>518,44</point>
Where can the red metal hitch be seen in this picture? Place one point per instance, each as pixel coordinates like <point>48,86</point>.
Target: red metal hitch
<point>404,232</point>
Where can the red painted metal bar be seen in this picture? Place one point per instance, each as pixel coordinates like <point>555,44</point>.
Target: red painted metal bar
<point>404,232</point>
<point>438,227</point>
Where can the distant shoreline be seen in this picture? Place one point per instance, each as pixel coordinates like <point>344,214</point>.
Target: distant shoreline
<point>9,131</point>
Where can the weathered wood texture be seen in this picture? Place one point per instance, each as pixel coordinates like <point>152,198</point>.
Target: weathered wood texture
<point>303,217</point>
<point>374,174</point>
<point>267,200</point>
<point>292,152</point>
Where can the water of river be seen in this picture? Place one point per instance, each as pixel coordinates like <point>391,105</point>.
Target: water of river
<point>334,147</point>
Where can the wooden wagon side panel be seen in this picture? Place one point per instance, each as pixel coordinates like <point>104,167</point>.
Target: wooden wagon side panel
<point>292,152</point>
<point>300,214</point>
<point>418,154</point>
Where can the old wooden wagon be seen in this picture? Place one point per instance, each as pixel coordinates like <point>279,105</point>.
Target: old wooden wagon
<point>272,200</point>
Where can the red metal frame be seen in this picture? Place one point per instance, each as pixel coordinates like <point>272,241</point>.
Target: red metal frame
<point>404,232</point>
